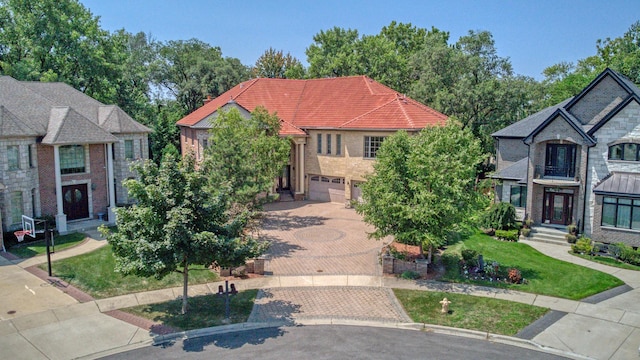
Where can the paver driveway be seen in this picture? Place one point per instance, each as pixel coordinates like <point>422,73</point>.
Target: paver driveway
<point>309,238</point>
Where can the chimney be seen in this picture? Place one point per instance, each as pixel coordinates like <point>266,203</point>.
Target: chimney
<point>207,100</point>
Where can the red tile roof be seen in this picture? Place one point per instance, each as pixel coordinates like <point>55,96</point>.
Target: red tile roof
<point>353,102</point>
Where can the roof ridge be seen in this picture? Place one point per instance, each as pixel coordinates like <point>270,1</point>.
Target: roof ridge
<point>366,113</point>
<point>243,88</point>
<point>298,102</point>
<point>404,111</point>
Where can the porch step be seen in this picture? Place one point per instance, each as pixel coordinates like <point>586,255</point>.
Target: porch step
<point>548,235</point>
<point>285,197</point>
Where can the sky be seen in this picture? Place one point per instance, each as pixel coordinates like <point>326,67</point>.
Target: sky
<point>533,34</point>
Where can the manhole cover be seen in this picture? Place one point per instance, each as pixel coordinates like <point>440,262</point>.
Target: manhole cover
<point>319,234</point>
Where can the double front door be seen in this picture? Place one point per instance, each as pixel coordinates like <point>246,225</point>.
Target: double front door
<point>558,207</point>
<point>75,201</point>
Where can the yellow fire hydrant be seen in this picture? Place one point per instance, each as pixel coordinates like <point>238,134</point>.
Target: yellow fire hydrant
<point>445,306</point>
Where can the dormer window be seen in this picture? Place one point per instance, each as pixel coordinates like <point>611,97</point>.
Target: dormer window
<point>625,152</point>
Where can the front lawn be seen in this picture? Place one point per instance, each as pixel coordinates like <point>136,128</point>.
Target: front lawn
<point>34,248</point>
<point>469,312</point>
<point>203,312</point>
<point>544,275</point>
<point>94,274</point>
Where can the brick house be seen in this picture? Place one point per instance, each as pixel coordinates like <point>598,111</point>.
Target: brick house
<point>336,125</point>
<point>63,153</point>
<point>578,162</point>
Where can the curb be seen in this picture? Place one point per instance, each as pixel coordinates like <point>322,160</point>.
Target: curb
<point>444,330</point>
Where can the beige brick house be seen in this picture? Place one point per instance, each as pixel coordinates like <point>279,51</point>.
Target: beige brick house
<point>63,153</point>
<point>336,125</point>
<point>578,162</point>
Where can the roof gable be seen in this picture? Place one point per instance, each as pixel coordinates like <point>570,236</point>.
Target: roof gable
<point>345,102</point>
<point>10,125</point>
<point>67,126</point>
<point>564,115</point>
<point>116,121</point>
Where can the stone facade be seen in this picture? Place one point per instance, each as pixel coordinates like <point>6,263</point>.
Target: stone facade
<point>23,180</point>
<point>509,152</point>
<point>122,165</point>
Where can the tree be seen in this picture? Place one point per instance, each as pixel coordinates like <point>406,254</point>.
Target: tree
<point>165,132</point>
<point>274,64</point>
<point>472,83</point>
<point>333,53</point>
<point>190,70</point>
<point>54,40</point>
<point>246,152</point>
<point>180,219</point>
<point>422,185</point>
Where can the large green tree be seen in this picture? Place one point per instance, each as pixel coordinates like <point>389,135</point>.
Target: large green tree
<point>247,152</point>
<point>180,219</point>
<point>275,64</point>
<point>422,185</point>
<point>472,83</point>
<point>192,69</point>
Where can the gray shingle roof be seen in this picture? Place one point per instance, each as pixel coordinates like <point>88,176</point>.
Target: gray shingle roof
<point>67,126</point>
<point>35,105</point>
<point>517,171</point>
<point>524,127</point>
<point>619,183</point>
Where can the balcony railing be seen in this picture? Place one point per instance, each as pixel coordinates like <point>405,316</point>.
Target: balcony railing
<point>556,171</point>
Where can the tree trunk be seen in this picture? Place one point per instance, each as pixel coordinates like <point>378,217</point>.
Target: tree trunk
<point>185,286</point>
<point>429,255</point>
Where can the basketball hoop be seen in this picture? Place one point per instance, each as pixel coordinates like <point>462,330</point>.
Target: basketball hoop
<point>20,234</point>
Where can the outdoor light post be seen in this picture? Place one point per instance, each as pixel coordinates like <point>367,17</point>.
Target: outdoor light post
<point>227,293</point>
<point>47,240</point>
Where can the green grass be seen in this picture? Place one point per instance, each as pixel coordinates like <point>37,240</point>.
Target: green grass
<point>94,274</point>
<point>469,312</point>
<point>544,275</point>
<point>608,261</point>
<point>35,248</point>
<point>203,311</point>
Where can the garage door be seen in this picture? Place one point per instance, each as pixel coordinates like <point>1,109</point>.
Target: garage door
<point>325,188</point>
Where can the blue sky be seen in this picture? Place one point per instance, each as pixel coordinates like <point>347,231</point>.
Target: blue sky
<point>533,34</point>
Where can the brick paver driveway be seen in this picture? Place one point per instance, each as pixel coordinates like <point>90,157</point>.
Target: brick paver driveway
<point>309,238</point>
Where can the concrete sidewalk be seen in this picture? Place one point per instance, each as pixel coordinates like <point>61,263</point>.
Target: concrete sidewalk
<point>50,324</point>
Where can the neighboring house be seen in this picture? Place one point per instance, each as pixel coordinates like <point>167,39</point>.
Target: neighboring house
<point>336,125</point>
<point>63,153</point>
<point>578,162</point>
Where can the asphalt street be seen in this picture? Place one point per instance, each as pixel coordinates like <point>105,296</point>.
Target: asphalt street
<point>332,342</point>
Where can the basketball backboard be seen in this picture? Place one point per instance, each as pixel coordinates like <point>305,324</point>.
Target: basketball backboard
<point>28,224</point>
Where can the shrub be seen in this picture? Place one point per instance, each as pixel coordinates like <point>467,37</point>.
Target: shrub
<point>528,223</point>
<point>582,246</point>
<point>501,216</point>
<point>525,232</point>
<point>507,235</point>
<point>515,276</point>
<point>410,275</point>
<point>469,255</point>
<point>571,239</point>
<point>628,255</point>
<point>572,229</point>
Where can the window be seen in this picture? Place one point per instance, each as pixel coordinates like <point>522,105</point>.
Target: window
<point>319,144</point>
<point>128,149</point>
<point>205,143</point>
<point>16,207</point>
<point>627,152</point>
<point>72,159</point>
<point>560,160</point>
<point>371,145</point>
<point>31,149</point>
<point>338,144</point>
<point>328,144</point>
<point>13,157</point>
<point>621,213</point>
<point>518,196</point>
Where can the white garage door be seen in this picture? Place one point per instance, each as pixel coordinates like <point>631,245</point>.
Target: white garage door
<point>325,188</point>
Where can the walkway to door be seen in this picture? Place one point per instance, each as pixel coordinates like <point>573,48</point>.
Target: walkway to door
<point>310,238</point>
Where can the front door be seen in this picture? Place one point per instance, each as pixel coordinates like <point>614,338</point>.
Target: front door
<point>76,201</point>
<point>284,180</point>
<point>558,208</point>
